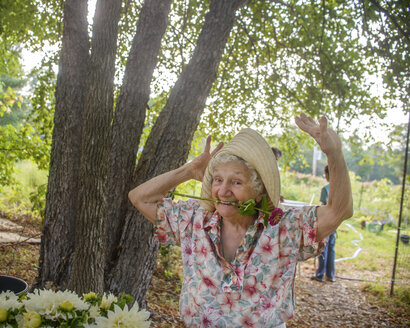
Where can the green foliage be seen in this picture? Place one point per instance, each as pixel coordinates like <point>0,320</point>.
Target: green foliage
<point>14,107</point>
<point>185,23</point>
<point>38,200</point>
<point>368,162</point>
<point>379,199</point>
<point>169,256</point>
<point>41,118</point>
<point>18,144</point>
<point>10,63</point>
<point>33,22</point>
<point>27,193</point>
<point>385,25</point>
<point>25,130</point>
<point>282,59</point>
<point>28,23</point>
<point>375,162</point>
<point>401,295</point>
<point>300,187</point>
<point>155,106</point>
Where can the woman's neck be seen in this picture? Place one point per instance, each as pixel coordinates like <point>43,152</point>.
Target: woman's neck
<point>240,223</point>
<point>232,234</point>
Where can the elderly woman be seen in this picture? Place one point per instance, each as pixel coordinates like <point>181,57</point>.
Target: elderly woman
<point>237,271</point>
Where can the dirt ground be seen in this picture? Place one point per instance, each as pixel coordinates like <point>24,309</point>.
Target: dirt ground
<point>338,304</point>
<point>318,305</point>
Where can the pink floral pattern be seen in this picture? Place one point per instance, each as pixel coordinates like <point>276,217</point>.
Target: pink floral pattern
<point>256,288</point>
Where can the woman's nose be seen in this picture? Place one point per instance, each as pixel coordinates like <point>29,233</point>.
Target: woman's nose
<point>224,189</point>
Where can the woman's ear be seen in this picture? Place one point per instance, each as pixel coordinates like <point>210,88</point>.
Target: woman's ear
<point>258,199</point>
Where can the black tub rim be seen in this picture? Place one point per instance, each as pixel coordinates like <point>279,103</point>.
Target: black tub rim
<point>15,279</point>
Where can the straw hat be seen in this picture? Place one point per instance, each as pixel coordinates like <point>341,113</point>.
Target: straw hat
<point>253,148</point>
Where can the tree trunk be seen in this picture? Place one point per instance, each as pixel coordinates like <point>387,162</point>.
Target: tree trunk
<point>168,145</point>
<point>57,242</point>
<point>88,266</point>
<point>130,115</point>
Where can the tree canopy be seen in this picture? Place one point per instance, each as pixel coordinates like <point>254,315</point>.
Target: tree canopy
<point>281,58</point>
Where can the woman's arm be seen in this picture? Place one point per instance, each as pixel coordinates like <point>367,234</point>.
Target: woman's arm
<point>146,196</point>
<point>340,203</point>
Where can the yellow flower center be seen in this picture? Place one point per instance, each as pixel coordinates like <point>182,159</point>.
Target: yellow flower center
<point>66,306</point>
<point>90,296</point>
<point>32,320</point>
<point>3,314</point>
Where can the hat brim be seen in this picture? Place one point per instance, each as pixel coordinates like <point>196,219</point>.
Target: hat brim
<point>253,148</point>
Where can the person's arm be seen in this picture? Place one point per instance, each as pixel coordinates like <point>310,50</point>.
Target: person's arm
<point>340,204</point>
<point>146,196</point>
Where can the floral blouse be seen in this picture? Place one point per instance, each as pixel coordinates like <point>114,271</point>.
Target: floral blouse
<point>256,288</point>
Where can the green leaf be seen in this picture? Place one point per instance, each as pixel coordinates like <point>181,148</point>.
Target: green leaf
<point>264,204</point>
<point>248,208</point>
<point>266,220</point>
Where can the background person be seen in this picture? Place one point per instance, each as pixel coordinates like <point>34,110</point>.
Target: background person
<point>327,258</point>
<point>237,271</point>
<point>278,154</point>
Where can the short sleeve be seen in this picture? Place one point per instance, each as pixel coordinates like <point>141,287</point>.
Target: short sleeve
<point>174,219</point>
<point>309,247</point>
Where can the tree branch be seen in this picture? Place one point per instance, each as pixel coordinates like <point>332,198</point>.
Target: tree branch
<point>392,19</point>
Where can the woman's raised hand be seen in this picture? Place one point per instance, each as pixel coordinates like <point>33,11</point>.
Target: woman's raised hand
<point>199,164</point>
<point>327,139</point>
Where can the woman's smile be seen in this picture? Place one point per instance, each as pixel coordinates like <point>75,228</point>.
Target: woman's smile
<point>228,203</point>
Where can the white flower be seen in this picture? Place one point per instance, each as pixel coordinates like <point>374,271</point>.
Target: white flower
<point>9,301</point>
<point>124,318</point>
<point>47,303</point>
<point>94,311</point>
<point>107,300</point>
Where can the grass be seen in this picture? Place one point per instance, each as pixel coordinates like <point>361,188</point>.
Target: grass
<point>380,294</point>
<point>375,261</point>
<point>22,197</point>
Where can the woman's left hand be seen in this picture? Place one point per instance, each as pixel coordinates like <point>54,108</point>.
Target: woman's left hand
<point>199,164</point>
<point>327,139</point>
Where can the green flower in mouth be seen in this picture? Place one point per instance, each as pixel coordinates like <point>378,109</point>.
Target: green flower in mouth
<point>247,208</point>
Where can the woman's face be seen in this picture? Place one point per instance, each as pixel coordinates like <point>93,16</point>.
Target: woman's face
<point>231,183</point>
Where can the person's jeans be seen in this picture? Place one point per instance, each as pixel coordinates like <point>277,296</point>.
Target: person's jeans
<point>327,259</point>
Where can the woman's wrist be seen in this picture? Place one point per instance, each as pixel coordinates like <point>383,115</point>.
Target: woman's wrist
<point>191,172</point>
<point>185,173</point>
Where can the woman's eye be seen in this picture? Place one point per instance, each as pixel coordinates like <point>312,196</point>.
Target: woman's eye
<point>237,183</point>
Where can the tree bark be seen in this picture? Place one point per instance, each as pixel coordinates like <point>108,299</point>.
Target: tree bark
<point>61,201</point>
<point>168,145</point>
<point>88,266</point>
<point>130,116</point>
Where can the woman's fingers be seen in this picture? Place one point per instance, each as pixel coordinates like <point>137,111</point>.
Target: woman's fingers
<point>323,124</point>
<point>218,148</point>
<point>306,124</point>
<point>208,145</point>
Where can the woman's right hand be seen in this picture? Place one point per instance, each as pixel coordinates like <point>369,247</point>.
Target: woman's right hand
<point>199,164</point>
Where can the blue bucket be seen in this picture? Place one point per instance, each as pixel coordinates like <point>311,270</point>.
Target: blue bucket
<point>12,284</point>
